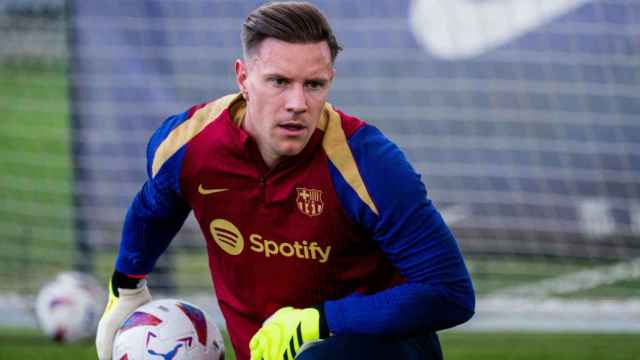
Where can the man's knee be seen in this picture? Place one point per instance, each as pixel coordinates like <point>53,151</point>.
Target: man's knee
<point>338,347</point>
<point>372,347</point>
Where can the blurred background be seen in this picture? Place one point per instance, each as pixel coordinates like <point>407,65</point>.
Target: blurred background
<point>522,116</point>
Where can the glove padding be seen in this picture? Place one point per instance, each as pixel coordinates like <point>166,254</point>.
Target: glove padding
<point>122,302</point>
<point>284,332</point>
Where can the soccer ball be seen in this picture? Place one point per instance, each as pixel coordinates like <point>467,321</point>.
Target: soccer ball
<point>69,307</point>
<point>168,329</point>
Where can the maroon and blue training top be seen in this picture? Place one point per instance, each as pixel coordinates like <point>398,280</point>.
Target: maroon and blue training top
<point>345,223</point>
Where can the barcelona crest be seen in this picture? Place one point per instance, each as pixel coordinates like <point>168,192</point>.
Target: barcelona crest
<point>310,201</point>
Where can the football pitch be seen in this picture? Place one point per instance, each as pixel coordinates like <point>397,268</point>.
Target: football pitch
<point>457,345</point>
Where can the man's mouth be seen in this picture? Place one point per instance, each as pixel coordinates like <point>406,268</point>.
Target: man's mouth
<point>292,127</point>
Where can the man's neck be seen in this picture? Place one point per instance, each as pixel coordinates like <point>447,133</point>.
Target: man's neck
<point>270,159</point>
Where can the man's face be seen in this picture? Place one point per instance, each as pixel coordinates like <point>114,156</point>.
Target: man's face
<point>286,86</point>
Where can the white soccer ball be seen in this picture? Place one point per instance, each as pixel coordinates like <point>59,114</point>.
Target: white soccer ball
<point>168,329</point>
<point>69,307</point>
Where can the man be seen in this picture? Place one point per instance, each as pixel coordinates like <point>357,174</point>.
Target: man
<point>317,227</point>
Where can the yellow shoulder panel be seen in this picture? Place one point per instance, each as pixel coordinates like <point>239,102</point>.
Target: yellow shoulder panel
<point>189,129</point>
<point>337,149</point>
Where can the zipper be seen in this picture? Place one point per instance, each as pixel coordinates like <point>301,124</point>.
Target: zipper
<point>262,182</point>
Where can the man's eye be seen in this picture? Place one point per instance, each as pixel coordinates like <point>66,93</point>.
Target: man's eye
<point>314,85</point>
<point>279,81</point>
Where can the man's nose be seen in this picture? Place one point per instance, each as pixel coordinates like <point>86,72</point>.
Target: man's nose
<point>296,100</point>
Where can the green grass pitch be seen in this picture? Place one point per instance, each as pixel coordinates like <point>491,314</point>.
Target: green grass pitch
<point>457,345</point>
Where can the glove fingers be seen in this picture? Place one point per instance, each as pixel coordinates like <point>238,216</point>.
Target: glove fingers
<point>117,310</point>
<point>276,337</point>
<point>104,340</point>
<point>278,314</point>
<point>104,337</point>
<point>254,346</point>
<point>284,332</point>
<point>264,346</point>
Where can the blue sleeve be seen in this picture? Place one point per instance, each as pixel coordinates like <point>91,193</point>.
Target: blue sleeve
<point>157,212</point>
<point>438,293</point>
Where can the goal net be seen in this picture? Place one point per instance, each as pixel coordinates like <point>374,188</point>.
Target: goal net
<point>522,117</point>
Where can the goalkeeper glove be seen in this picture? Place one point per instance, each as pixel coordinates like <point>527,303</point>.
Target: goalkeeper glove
<point>284,332</point>
<point>125,295</point>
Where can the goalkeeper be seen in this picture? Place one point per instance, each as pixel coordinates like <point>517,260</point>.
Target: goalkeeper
<point>318,230</point>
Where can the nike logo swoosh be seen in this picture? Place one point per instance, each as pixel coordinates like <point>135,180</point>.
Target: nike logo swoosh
<point>458,29</point>
<point>202,190</point>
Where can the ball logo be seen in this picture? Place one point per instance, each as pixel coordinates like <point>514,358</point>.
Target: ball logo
<point>139,318</point>
<point>227,236</point>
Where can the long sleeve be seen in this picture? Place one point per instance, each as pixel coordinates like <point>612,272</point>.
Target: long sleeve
<point>438,293</point>
<point>157,212</point>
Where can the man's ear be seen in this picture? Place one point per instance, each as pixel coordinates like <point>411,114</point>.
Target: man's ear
<point>241,77</point>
